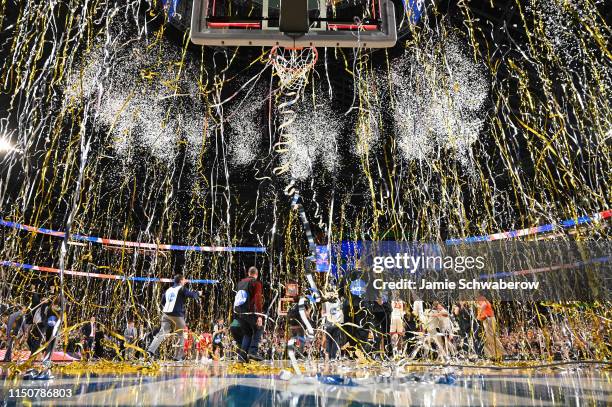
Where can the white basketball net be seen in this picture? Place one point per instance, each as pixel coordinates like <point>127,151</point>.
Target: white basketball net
<point>293,65</point>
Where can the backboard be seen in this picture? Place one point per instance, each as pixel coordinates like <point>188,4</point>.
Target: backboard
<point>318,23</point>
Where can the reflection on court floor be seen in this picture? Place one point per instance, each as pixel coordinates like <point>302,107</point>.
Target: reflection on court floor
<point>341,384</point>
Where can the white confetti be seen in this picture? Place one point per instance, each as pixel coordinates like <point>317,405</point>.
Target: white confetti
<point>439,102</point>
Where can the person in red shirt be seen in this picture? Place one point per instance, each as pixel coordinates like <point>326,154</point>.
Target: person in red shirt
<point>248,309</point>
<point>492,345</point>
<point>204,346</point>
<point>188,346</point>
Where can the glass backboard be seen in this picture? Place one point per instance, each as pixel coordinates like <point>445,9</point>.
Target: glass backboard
<point>296,23</point>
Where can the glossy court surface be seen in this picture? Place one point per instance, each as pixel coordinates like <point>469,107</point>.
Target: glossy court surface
<point>345,383</point>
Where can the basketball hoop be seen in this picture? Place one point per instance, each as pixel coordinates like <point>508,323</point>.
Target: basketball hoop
<point>292,65</point>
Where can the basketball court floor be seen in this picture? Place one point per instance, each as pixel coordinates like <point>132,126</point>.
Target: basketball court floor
<point>341,384</point>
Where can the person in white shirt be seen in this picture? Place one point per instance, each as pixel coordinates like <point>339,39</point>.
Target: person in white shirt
<point>173,315</point>
<point>397,324</point>
<point>219,331</point>
<point>131,335</point>
<point>439,327</point>
<point>333,320</point>
<point>89,332</point>
<point>417,310</point>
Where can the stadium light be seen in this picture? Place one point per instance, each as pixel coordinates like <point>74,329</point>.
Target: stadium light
<point>6,146</point>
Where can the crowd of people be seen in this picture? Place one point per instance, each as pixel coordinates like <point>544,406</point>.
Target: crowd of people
<point>32,324</point>
<point>350,321</point>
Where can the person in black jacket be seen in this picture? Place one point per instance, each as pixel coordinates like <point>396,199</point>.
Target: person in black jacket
<point>358,292</point>
<point>34,303</point>
<point>173,315</point>
<point>89,332</point>
<point>468,328</point>
<point>14,330</point>
<point>380,323</point>
<point>236,332</point>
<point>39,310</point>
<point>248,309</point>
<point>52,318</point>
